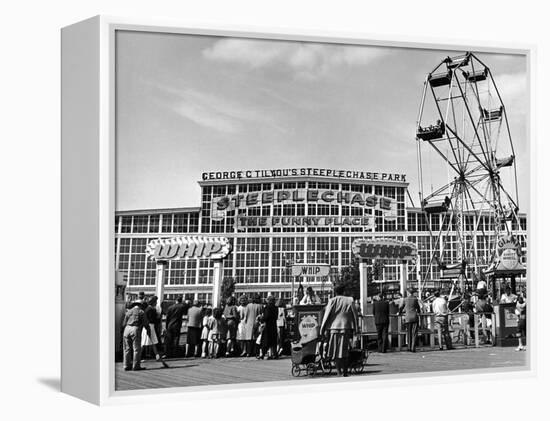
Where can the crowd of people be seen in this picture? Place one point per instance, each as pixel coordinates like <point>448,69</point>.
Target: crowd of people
<point>244,327</point>
<point>251,328</point>
<point>441,306</point>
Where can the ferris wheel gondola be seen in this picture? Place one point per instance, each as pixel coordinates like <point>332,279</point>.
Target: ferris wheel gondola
<point>462,120</point>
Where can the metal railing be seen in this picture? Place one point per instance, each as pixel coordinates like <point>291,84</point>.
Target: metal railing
<point>468,329</point>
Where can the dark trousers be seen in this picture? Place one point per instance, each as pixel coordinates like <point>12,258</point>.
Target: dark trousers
<point>442,323</point>
<point>382,337</point>
<point>412,334</point>
<point>171,341</point>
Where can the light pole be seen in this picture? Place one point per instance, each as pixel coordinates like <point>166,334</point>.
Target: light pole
<point>324,277</point>
<point>288,264</point>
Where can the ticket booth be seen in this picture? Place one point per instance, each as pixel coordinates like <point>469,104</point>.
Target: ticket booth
<point>503,271</point>
<point>506,325</point>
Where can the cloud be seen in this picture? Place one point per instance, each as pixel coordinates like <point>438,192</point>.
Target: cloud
<point>206,117</point>
<point>306,60</point>
<point>214,112</point>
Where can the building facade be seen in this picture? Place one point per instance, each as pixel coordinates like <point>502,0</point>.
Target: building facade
<point>280,218</point>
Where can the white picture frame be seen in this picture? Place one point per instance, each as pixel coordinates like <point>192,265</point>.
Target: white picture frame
<point>88,206</point>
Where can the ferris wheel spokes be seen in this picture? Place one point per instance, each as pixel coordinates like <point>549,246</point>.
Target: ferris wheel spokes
<point>465,119</point>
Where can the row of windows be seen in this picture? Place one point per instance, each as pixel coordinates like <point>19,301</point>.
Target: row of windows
<point>417,221</point>
<point>189,222</point>
<point>262,260</point>
<point>389,191</point>
<point>161,223</point>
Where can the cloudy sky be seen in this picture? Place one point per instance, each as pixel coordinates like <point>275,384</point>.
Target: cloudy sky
<point>190,104</point>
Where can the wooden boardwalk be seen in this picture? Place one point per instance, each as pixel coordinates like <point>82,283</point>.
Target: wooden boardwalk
<point>201,372</point>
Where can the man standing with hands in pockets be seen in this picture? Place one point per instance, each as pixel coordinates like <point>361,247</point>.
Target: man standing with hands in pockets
<point>381,313</point>
<point>411,307</point>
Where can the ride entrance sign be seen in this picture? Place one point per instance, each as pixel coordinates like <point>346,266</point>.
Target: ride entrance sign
<point>311,270</point>
<point>189,247</point>
<point>198,247</point>
<point>382,249</point>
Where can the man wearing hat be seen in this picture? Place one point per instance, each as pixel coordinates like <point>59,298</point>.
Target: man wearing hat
<point>133,324</point>
<point>381,313</point>
<point>141,300</point>
<point>411,307</point>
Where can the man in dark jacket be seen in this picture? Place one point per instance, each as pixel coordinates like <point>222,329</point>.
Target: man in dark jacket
<point>411,307</point>
<point>174,316</point>
<point>381,312</point>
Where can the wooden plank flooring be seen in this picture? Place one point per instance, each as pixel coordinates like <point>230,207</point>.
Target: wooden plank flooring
<point>200,372</point>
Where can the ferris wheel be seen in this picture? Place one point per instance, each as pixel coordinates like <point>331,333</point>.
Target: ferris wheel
<point>466,164</point>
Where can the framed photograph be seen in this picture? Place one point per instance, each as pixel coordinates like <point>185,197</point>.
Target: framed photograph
<point>244,209</point>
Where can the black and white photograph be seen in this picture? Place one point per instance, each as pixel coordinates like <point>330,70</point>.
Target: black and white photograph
<point>283,210</point>
<point>317,211</point>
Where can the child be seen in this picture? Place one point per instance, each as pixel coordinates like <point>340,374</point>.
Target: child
<point>205,331</point>
<point>260,329</point>
<point>217,332</point>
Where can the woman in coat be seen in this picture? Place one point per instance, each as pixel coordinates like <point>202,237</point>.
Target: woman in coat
<point>241,328</point>
<point>251,313</point>
<point>269,334</point>
<point>340,322</point>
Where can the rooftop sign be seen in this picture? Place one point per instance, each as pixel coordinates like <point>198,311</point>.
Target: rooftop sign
<point>222,204</point>
<point>303,172</point>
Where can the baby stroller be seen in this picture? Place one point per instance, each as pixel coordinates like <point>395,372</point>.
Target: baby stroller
<point>309,358</point>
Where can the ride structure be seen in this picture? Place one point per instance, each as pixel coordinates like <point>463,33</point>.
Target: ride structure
<point>462,131</point>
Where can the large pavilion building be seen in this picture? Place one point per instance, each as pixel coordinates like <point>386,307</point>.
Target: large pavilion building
<point>277,218</point>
